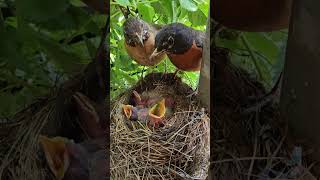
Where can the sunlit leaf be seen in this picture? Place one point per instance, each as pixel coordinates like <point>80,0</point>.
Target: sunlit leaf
<point>146,11</point>
<point>197,18</point>
<point>123,2</point>
<point>188,4</point>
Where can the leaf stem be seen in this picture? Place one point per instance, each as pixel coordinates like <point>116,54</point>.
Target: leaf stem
<point>252,54</point>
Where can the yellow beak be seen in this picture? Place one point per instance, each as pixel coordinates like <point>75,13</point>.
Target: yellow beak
<point>127,109</point>
<point>158,110</point>
<point>56,154</point>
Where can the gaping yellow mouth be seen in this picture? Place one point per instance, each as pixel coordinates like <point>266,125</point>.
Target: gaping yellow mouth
<point>127,109</point>
<point>158,110</point>
<point>56,154</point>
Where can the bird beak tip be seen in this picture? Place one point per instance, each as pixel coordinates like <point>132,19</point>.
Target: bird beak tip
<point>155,53</point>
<point>140,38</point>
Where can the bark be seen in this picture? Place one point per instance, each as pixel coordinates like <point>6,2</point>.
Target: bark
<point>300,97</point>
<point>204,82</point>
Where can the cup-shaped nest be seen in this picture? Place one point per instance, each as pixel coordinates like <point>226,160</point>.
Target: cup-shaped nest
<point>177,150</point>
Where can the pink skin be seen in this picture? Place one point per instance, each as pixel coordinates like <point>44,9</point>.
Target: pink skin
<point>88,161</point>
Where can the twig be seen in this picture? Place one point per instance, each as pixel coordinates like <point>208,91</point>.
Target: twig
<point>246,159</point>
<point>255,146</point>
<point>125,13</point>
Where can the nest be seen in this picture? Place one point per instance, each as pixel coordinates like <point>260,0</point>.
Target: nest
<point>19,152</point>
<point>178,150</point>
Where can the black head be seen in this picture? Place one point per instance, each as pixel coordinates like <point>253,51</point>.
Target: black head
<point>136,31</point>
<point>174,38</point>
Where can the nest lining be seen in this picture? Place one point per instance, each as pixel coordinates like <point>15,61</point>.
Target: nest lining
<point>179,150</point>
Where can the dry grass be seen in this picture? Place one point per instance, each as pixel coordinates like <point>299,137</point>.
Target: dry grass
<point>19,143</point>
<point>250,140</point>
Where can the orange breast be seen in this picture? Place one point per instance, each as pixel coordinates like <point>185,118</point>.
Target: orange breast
<point>189,61</point>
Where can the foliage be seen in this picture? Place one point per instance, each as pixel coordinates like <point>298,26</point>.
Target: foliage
<point>261,54</point>
<point>124,71</point>
<point>42,43</point>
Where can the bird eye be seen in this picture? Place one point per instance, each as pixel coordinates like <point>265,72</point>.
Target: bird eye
<point>145,35</point>
<point>170,41</point>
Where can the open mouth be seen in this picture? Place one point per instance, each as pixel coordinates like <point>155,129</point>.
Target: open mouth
<point>127,109</point>
<point>158,110</point>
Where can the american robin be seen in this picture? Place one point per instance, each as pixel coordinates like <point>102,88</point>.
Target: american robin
<point>183,45</point>
<point>253,15</point>
<point>140,41</point>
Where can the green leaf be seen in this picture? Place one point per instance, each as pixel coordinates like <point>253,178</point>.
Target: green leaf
<point>204,7</point>
<point>197,18</point>
<point>41,10</point>
<point>174,11</point>
<point>10,48</point>
<point>72,18</point>
<point>146,11</point>
<point>263,45</point>
<point>8,104</point>
<point>91,47</point>
<point>164,8</point>
<point>123,2</point>
<point>77,3</point>
<point>188,5</point>
<point>62,55</point>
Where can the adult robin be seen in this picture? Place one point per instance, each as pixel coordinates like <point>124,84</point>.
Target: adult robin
<point>140,41</point>
<point>182,44</point>
<point>253,15</point>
